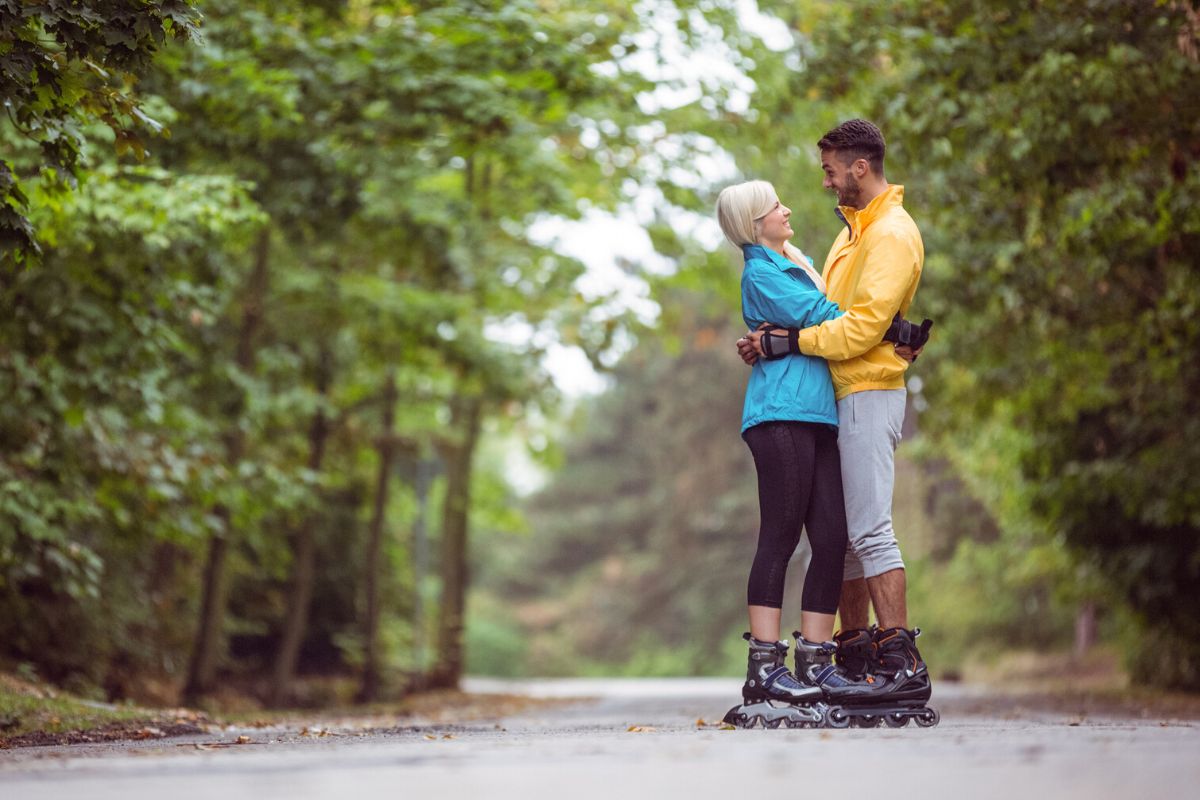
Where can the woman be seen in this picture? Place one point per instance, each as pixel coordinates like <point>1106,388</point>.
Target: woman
<point>789,421</point>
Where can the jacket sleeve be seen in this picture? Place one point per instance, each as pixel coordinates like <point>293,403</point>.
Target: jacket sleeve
<point>891,266</point>
<point>770,295</point>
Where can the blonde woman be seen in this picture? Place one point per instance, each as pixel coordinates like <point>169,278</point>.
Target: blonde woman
<point>789,421</point>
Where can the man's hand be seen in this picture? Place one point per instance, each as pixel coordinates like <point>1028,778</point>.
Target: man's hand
<point>907,353</point>
<point>750,346</point>
<point>746,349</point>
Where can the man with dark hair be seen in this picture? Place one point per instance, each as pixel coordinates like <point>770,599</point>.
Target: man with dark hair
<point>871,272</point>
<point>854,140</point>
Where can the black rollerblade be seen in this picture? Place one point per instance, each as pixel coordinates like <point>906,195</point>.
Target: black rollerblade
<point>856,652</point>
<point>815,667</point>
<point>772,696</point>
<point>854,696</point>
<point>891,656</point>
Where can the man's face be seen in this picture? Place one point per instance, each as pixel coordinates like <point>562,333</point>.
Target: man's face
<point>840,178</point>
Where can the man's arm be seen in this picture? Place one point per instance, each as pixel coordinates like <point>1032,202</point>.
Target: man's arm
<point>887,277</point>
<point>750,348</point>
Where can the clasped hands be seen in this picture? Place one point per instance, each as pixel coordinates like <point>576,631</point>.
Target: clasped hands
<point>751,348</point>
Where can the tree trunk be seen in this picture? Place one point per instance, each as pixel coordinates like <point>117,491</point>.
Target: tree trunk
<point>1085,628</point>
<point>466,417</point>
<point>303,554</point>
<point>369,690</point>
<point>426,472</point>
<point>206,650</point>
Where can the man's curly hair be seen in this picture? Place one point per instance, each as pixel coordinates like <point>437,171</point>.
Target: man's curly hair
<point>855,139</point>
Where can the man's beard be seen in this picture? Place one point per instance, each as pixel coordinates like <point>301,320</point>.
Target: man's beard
<point>849,194</point>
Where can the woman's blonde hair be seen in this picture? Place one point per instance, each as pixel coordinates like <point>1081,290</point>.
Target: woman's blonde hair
<point>741,206</point>
<point>740,209</point>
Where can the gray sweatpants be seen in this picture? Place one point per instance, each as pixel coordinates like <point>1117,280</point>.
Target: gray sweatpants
<point>869,426</point>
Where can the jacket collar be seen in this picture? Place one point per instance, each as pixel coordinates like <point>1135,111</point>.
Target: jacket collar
<point>767,254</point>
<point>857,220</point>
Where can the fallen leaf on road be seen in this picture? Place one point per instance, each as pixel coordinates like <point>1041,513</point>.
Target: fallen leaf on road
<point>242,740</point>
<point>449,736</point>
<point>641,729</point>
<point>727,727</point>
<point>431,738</point>
<point>306,731</point>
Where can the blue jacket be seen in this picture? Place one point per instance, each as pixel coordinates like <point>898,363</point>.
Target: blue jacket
<point>797,387</point>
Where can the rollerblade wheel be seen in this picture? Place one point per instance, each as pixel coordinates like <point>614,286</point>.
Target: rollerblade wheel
<point>896,720</point>
<point>929,718</point>
<point>737,718</point>
<point>837,718</point>
<point>867,721</point>
<point>772,723</point>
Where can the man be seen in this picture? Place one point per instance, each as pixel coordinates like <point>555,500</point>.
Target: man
<point>871,272</point>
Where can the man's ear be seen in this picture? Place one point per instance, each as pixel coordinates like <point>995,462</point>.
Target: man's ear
<point>860,167</point>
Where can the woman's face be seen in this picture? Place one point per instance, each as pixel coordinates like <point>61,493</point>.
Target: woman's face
<point>774,227</point>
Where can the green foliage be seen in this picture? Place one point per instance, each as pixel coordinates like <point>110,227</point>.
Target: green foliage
<point>628,565</point>
<point>65,65</point>
<point>1050,154</point>
<point>104,453</point>
<point>206,345</point>
<point>204,350</point>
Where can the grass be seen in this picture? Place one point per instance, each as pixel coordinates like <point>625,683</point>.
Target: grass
<point>32,713</point>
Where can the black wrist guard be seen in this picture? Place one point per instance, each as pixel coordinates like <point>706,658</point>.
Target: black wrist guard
<point>904,333</point>
<point>773,343</point>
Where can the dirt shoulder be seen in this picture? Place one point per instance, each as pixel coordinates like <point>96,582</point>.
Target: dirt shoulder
<point>34,715</point>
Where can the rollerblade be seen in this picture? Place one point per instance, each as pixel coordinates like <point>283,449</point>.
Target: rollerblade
<point>773,697</point>
<point>899,658</point>
<point>890,655</point>
<point>854,696</point>
<point>856,653</point>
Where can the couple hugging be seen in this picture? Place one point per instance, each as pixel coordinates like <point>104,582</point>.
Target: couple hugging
<point>823,414</point>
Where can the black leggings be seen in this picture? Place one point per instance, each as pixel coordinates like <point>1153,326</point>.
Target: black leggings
<point>799,486</point>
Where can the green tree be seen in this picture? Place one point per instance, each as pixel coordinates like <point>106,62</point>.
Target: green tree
<point>63,67</point>
<point>104,455</point>
<point>634,562</point>
<point>1053,157</point>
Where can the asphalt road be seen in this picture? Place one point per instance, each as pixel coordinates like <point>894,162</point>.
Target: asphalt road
<point>986,746</point>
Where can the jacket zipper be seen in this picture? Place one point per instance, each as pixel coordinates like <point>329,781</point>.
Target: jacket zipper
<point>845,221</point>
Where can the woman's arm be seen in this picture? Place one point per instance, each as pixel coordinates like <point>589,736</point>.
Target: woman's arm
<point>771,295</point>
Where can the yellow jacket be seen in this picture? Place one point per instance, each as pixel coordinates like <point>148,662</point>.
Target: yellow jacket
<point>871,272</point>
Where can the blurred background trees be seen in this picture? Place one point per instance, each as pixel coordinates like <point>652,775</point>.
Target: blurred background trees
<point>277,310</point>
